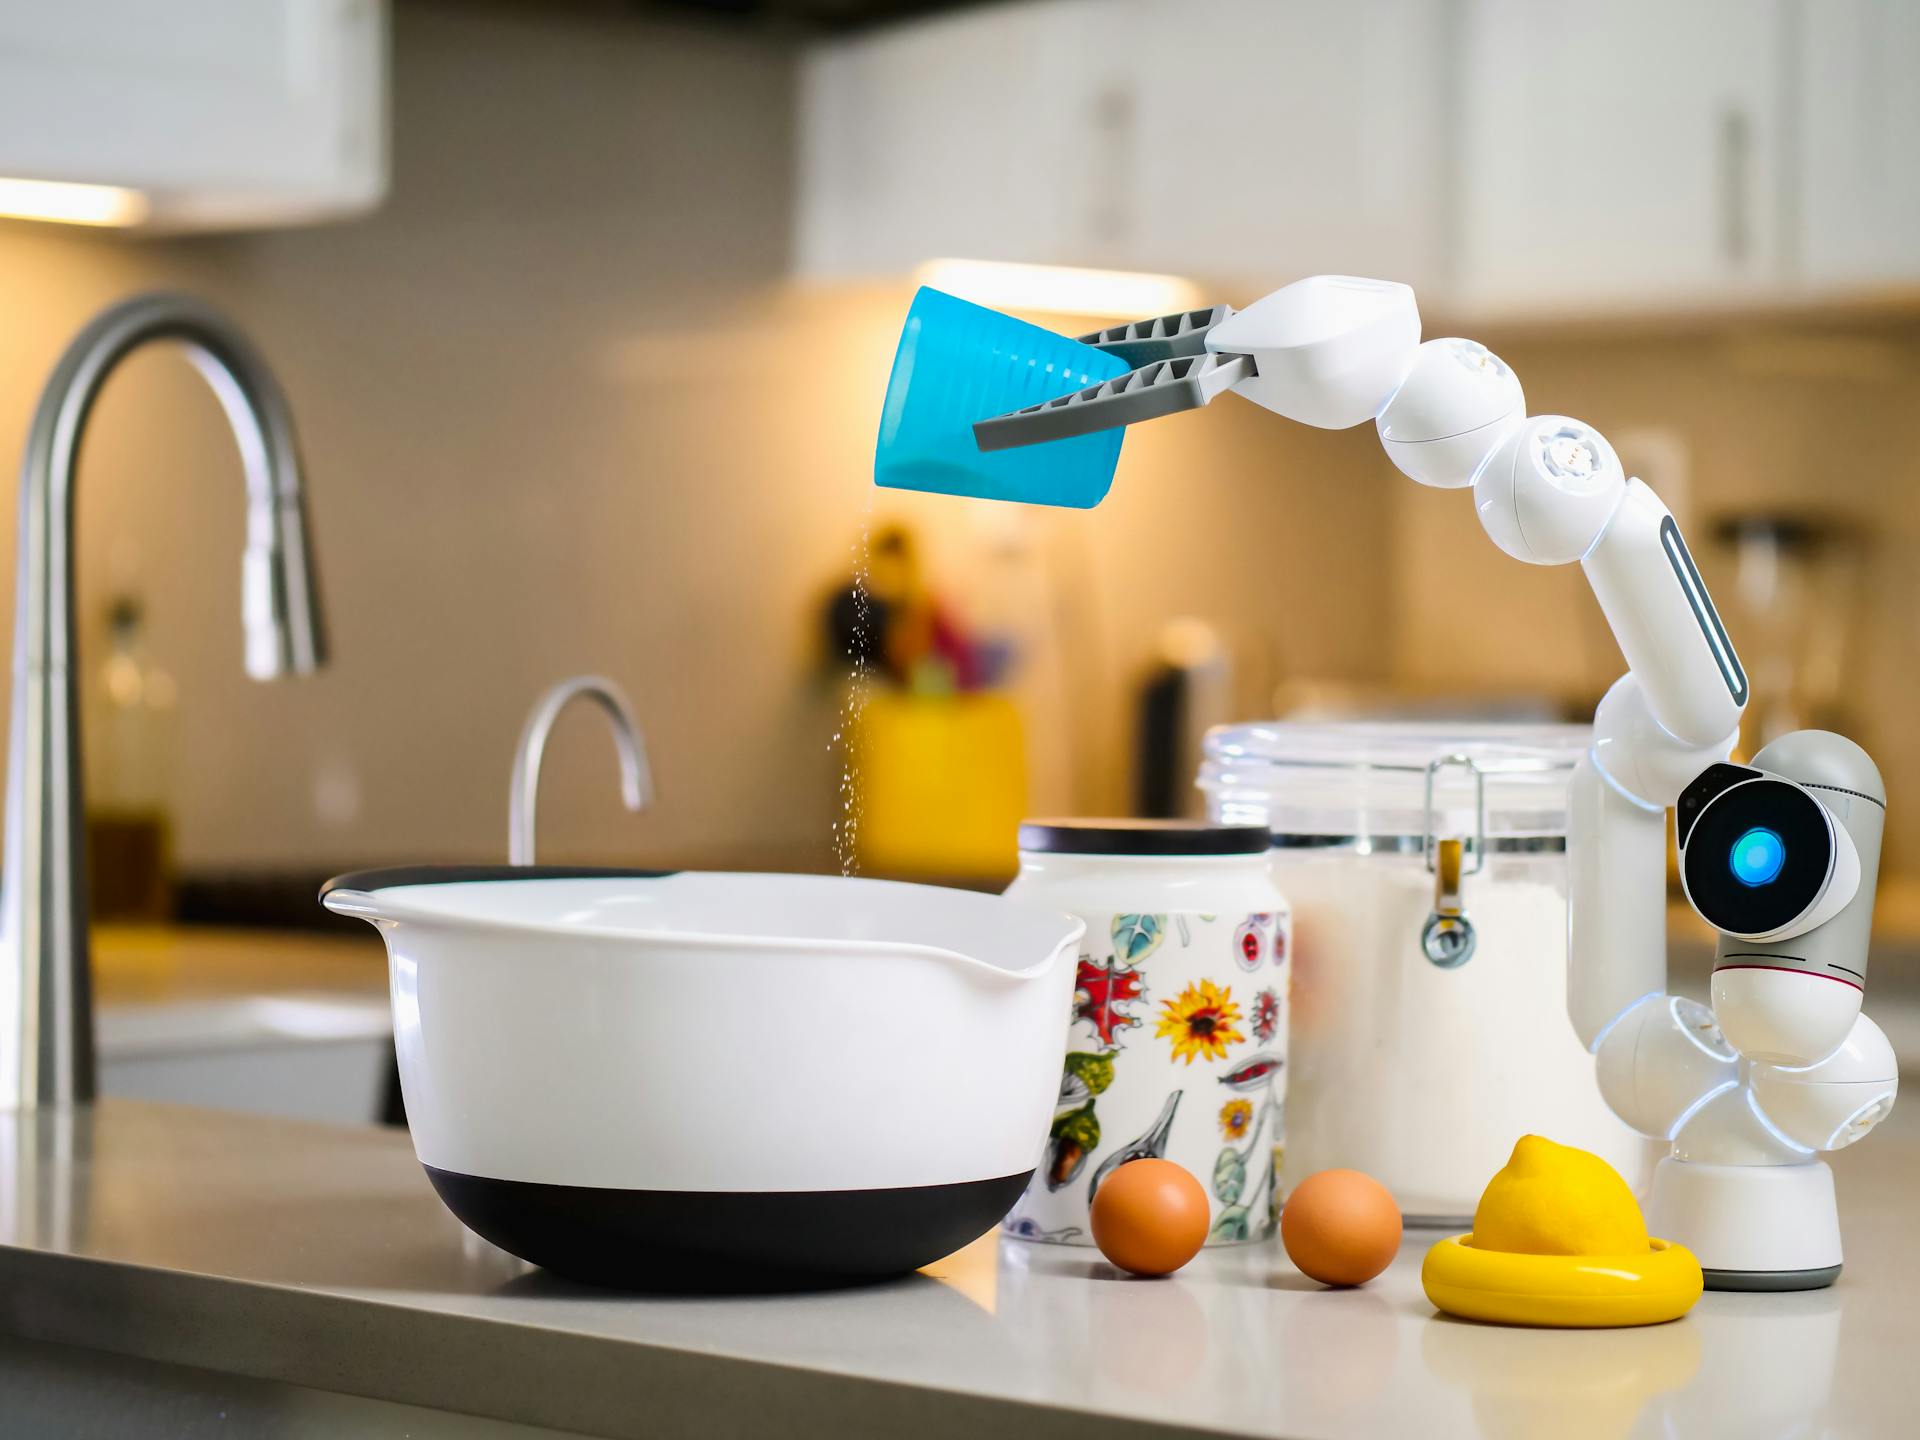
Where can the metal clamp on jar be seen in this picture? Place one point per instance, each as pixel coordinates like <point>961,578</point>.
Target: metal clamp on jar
<point>1448,938</point>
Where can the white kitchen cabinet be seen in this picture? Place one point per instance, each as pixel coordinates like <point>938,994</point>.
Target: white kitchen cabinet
<point>1858,115</point>
<point>1620,154</point>
<point>957,136</point>
<point>216,114</point>
<point>1281,138</point>
<point>1512,159</point>
<point>1244,142</point>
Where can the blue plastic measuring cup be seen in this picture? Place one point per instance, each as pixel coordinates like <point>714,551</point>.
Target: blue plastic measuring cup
<point>958,363</point>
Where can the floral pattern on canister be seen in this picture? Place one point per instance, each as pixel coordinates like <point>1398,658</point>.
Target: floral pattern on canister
<point>1218,1038</point>
<point>1266,1015</point>
<point>1102,997</point>
<point>1249,945</point>
<point>1201,1022</point>
<point>1137,936</point>
<point>1256,1072</point>
<point>1236,1118</point>
<point>1075,1133</point>
<point>1240,1183</point>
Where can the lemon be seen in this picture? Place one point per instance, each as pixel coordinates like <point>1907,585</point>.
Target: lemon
<point>1556,1200</point>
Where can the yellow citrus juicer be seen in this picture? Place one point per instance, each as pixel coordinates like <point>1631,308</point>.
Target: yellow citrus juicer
<point>1559,1240</point>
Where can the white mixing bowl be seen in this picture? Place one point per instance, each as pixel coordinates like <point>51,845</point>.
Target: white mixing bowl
<point>634,1077</point>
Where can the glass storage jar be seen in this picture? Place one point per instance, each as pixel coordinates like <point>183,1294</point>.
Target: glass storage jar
<point>1426,868</point>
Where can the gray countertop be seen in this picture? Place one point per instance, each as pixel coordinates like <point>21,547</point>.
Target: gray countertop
<point>318,1257</point>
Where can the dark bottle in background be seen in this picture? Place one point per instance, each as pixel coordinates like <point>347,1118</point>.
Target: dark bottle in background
<point>128,768</point>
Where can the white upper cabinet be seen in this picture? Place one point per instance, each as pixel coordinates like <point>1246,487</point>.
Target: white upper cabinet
<point>1858,108</point>
<point>1278,138</point>
<point>1245,142</point>
<point>1619,154</point>
<point>1509,158</point>
<point>965,135</point>
<point>213,115</point>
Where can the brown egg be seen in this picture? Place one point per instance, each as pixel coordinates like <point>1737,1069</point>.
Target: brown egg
<point>1340,1227</point>
<point>1150,1217</point>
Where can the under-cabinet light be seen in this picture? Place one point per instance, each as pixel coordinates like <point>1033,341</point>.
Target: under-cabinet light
<point>1061,289</point>
<point>69,203</point>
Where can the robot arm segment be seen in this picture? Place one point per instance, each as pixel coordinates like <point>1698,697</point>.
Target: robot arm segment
<point>1664,620</point>
<point>1829,1105</point>
<point>1333,351</point>
<point>1617,858</point>
<point>1780,856</point>
<point>1616,893</point>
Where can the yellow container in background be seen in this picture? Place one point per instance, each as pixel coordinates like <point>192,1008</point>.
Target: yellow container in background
<point>942,785</point>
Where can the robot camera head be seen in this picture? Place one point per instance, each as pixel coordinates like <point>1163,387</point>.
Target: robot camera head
<point>1760,857</point>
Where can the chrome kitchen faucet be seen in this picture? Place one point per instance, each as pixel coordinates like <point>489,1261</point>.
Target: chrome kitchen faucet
<point>636,778</point>
<point>46,1008</point>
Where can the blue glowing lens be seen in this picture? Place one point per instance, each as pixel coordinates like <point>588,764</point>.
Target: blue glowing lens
<point>1758,857</point>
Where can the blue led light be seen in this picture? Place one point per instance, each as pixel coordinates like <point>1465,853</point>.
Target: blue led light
<point>1757,857</point>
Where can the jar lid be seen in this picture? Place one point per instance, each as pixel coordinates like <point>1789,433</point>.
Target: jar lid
<point>1141,837</point>
<point>1393,781</point>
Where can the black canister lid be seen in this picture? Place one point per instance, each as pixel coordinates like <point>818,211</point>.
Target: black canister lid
<point>1142,837</point>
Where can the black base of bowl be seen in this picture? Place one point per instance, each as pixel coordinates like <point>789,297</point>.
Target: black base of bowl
<point>720,1240</point>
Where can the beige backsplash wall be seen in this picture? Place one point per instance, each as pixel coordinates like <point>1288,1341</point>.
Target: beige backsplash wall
<point>563,412</point>
<point>497,500</point>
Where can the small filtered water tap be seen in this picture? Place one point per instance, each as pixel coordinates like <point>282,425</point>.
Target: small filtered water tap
<point>46,1009</point>
<point>636,780</point>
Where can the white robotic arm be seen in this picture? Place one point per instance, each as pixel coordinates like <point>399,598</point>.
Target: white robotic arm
<point>1779,856</point>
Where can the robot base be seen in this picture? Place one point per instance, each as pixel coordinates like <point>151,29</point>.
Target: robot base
<point>1752,1227</point>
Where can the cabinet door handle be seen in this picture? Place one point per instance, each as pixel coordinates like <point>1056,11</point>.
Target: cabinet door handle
<point>1736,185</point>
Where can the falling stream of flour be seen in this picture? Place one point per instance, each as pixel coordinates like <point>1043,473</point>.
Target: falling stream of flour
<point>846,826</point>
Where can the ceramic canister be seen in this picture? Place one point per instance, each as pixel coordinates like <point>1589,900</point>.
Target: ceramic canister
<point>1177,1038</point>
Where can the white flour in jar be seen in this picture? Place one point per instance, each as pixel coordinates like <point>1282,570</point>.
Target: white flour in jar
<point>1422,1077</point>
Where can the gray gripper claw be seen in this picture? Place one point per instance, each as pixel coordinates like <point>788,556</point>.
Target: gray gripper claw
<point>1162,388</point>
<point>1165,337</point>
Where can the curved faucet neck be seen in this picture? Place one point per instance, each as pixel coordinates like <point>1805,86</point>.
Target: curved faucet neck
<point>45,990</point>
<point>636,781</point>
<point>278,607</point>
